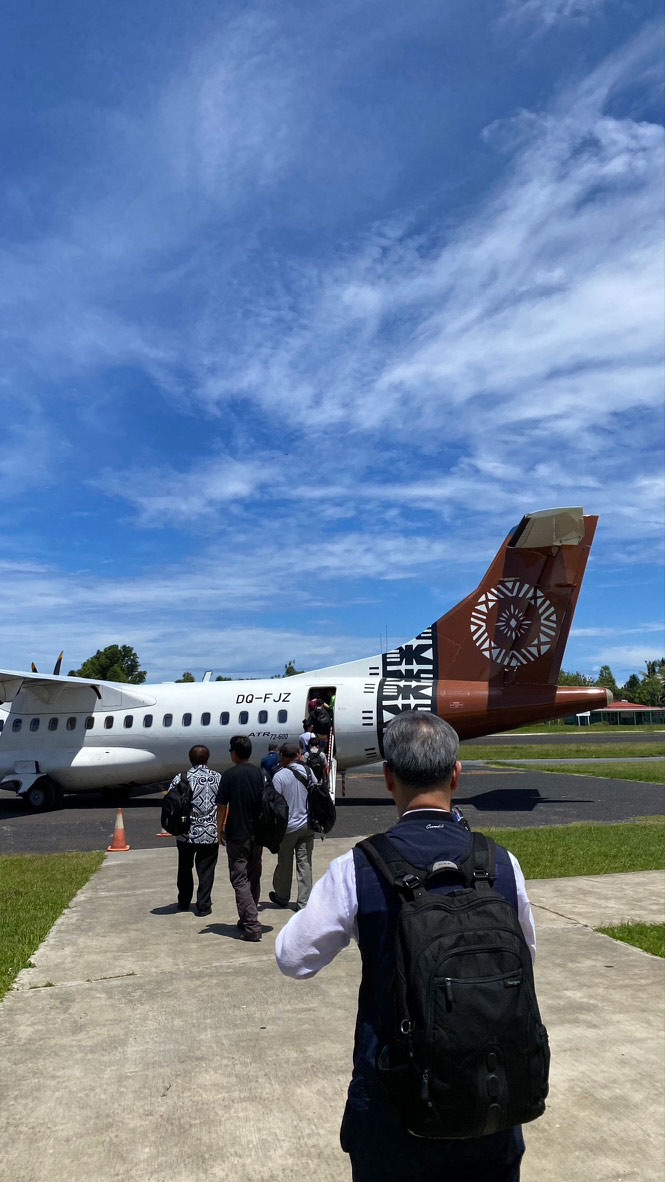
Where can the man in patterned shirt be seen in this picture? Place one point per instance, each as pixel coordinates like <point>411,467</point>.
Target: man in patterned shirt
<point>200,844</point>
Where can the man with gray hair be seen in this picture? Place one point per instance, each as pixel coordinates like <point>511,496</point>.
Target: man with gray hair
<point>353,901</point>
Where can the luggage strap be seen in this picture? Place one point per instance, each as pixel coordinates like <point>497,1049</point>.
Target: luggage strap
<point>477,868</point>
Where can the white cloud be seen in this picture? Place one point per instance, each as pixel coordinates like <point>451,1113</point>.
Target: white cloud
<point>548,13</point>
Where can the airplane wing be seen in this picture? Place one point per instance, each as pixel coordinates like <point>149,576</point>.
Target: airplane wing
<point>49,689</point>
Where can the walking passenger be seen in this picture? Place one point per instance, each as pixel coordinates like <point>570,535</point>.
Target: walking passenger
<point>316,761</point>
<point>306,736</point>
<point>292,780</point>
<point>353,900</point>
<point>270,762</point>
<point>238,803</point>
<point>199,845</point>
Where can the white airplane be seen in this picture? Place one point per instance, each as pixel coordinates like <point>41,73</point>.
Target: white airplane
<point>490,663</point>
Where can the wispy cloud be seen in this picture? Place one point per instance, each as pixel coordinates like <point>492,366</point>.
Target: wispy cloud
<point>549,13</point>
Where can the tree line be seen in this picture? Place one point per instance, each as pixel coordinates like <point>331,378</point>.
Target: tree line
<point>119,662</point>
<point>645,689</point>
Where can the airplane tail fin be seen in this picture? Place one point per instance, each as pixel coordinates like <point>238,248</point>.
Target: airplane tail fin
<point>512,630</point>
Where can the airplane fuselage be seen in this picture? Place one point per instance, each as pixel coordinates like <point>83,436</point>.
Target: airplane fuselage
<point>88,743</point>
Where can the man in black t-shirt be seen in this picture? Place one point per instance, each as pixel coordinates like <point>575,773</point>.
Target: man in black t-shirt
<point>238,802</point>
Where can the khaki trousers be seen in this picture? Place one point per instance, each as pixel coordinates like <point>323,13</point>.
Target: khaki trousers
<point>299,843</point>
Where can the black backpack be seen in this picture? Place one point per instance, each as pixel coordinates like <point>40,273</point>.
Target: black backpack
<point>177,807</point>
<point>321,811</point>
<point>316,760</point>
<point>467,1054</point>
<point>272,817</point>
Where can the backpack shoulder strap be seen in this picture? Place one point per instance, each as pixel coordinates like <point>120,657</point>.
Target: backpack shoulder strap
<point>385,857</point>
<point>307,781</point>
<point>483,859</point>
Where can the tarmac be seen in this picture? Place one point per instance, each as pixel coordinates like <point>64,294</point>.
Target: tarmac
<point>148,1044</point>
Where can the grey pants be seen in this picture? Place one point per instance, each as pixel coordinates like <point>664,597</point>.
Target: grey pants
<point>245,874</point>
<point>300,843</point>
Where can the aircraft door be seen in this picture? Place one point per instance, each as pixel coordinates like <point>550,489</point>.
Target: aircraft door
<point>323,714</point>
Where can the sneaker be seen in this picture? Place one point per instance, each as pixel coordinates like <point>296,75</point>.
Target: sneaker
<point>276,900</point>
<point>252,937</point>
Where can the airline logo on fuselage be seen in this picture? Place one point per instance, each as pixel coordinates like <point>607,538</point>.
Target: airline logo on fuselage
<point>513,623</point>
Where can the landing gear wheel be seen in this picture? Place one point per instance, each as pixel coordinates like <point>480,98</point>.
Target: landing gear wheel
<point>41,796</point>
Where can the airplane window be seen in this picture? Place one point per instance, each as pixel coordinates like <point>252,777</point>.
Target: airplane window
<point>282,715</point>
<point>17,724</point>
<point>224,718</point>
<point>34,724</point>
<point>186,720</point>
<point>53,724</point>
<point>205,719</point>
<point>71,724</point>
<point>147,721</point>
<point>243,717</point>
<point>263,715</point>
<point>108,722</point>
<point>167,720</point>
<point>128,720</point>
<point>89,722</point>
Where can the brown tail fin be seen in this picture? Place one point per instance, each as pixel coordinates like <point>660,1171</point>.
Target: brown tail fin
<point>513,628</point>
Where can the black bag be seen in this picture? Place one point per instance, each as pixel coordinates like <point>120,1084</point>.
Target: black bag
<point>177,808</point>
<point>321,811</point>
<point>321,721</point>
<point>467,1054</point>
<point>316,761</point>
<point>272,817</point>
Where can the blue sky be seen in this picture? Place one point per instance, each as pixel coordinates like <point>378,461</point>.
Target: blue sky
<point>303,306</point>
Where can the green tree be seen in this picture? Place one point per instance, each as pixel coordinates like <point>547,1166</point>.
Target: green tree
<point>116,662</point>
<point>631,688</point>
<point>651,691</point>
<point>185,677</point>
<point>573,678</point>
<point>290,669</point>
<point>606,680</point>
<point>220,678</point>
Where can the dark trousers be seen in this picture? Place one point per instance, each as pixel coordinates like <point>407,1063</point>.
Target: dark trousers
<point>205,856</point>
<point>245,874</point>
<point>382,1151</point>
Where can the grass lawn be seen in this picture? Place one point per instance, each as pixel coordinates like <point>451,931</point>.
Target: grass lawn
<point>647,773</point>
<point>566,728</point>
<point>650,937</point>
<point>34,890</point>
<point>561,750</point>
<point>562,851</point>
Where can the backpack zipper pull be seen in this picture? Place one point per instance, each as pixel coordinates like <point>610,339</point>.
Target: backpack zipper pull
<point>448,990</point>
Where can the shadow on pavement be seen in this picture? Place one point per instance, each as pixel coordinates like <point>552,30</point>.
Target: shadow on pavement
<point>511,800</point>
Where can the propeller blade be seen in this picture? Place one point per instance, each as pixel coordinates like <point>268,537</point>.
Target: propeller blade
<point>34,668</point>
<point>58,665</point>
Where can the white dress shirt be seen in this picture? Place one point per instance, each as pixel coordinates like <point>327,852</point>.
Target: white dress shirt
<point>313,937</point>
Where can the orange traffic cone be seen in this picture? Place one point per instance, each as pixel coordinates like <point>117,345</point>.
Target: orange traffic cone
<point>119,841</point>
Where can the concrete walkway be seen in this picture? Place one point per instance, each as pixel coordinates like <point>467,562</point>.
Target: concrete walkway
<point>147,1044</point>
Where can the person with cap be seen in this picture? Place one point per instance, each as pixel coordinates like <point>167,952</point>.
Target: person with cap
<point>291,781</point>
